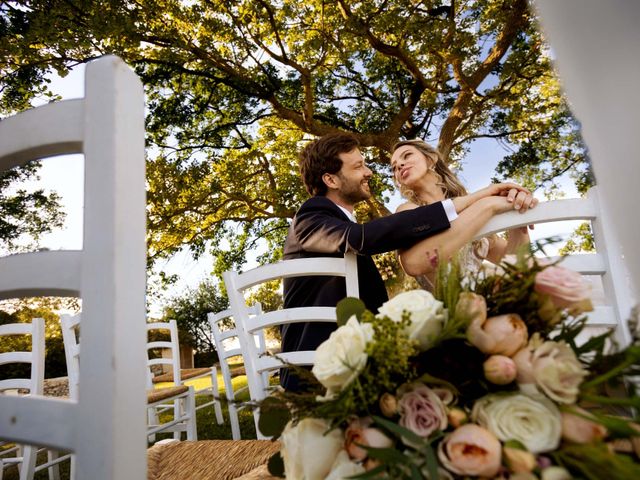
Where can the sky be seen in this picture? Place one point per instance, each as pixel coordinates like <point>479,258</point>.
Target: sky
<point>64,174</point>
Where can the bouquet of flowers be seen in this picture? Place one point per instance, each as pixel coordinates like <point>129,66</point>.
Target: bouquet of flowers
<point>486,378</point>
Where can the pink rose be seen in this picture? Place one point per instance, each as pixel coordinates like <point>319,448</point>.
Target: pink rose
<point>422,411</point>
<point>471,450</point>
<point>578,429</point>
<point>501,335</point>
<point>359,433</point>
<point>566,288</point>
<point>499,369</point>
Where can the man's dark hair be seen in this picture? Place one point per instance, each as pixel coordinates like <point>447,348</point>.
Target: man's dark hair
<point>321,156</point>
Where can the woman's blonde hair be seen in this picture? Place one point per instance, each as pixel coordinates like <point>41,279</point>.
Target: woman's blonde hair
<point>446,178</point>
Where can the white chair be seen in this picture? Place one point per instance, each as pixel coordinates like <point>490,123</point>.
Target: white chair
<point>227,342</point>
<point>168,353</point>
<point>606,263</point>
<point>239,284</point>
<point>24,456</point>
<point>181,399</point>
<point>106,426</point>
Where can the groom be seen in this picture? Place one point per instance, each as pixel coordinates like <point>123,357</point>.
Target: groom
<point>336,176</point>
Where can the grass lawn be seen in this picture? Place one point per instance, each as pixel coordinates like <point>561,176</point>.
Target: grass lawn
<point>208,429</point>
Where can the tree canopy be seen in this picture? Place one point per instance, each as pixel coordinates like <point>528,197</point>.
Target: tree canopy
<point>235,88</point>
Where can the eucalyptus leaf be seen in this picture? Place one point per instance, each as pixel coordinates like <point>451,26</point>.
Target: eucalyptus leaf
<point>274,416</point>
<point>276,465</point>
<point>348,307</point>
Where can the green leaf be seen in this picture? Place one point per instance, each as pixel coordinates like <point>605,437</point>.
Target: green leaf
<point>276,465</point>
<point>398,430</point>
<point>274,416</point>
<point>348,307</point>
<point>432,462</point>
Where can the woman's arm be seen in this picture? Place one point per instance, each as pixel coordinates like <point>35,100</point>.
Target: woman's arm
<point>417,260</point>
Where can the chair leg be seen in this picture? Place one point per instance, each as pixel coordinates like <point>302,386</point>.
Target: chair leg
<point>54,470</point>
<point>233,420</point>
<point>190,409</point>
<point>28,465</point>
<point>216,396</point>
<point>152,419</point>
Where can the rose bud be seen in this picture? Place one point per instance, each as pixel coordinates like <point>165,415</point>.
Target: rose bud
<point>500,370</point>
<point>555,473</point>
<point>359,434</point>
<point>518,460</point>
<point>471,307</point>
<point>456,417</point>
<point>470,450</point>
<point>388,405</point>
<point>501,335</point>
<point>578,429</point>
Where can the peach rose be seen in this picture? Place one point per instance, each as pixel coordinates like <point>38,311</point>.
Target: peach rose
<point>470,450</point>
<point>360,433</point>
<point>578,429</point>
<point>552,367</point>
<point>566,288</point>
<point>499,369</point>
<point>501,335</point>
<point>422,411</point>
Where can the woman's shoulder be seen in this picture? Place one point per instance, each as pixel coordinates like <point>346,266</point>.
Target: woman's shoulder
<point>406,206</point>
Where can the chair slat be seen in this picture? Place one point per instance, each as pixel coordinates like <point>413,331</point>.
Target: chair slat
<point>54,129</point>
<point>44,421</point>
<point>15,357</point>
<point>268,363</point>
<point>602,316</point>
<point>50,273</point>
<point>15,383</point>
<point>293,315</point>
<point>586,264</point>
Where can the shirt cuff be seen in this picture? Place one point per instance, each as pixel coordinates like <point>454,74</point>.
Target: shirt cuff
<point>449,210</point>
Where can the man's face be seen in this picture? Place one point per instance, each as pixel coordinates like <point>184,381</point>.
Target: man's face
<point>353,178</point>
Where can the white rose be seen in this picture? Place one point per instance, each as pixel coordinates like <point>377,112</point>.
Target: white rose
<point>344,468</point>
<point>427,315</point>
<point>341,357</point>
<point>535,422</point>
<point>307,452</point>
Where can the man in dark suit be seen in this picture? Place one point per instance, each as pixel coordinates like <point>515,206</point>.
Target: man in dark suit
<point>335,174</point>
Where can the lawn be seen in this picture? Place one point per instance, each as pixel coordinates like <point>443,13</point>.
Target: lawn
<point>208,429</point>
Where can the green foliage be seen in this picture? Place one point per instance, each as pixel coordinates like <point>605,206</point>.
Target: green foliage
<point>190,313</point>
<point>235,88</point>
<point>347,307</point>
<point>594,462</point>
<point>581,240</point>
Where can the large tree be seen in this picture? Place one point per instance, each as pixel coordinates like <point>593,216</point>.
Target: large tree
<point>234,88</point>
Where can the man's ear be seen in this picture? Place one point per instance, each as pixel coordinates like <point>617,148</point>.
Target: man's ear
<point>330,181</point>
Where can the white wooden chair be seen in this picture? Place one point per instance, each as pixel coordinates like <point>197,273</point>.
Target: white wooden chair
<point>605,263</point>
<point>227,342</point>
<point>168,353</point>
<point>106,426</point>
<point>182,398</point>
<point>239,284</point>
<point>25,456</point>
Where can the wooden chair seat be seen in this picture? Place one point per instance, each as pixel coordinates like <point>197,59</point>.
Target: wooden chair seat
<point>185,374</point>
<point>165,393</point>
<point>208,459</point>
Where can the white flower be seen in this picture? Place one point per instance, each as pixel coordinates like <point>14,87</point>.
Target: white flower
<point>535,422</point>
<point>341,357</point>
<point>344,468</point>
<point>426,313</point>
<point>308,450</point>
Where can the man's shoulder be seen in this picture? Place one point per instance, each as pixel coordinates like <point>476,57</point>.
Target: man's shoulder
<point>318,202</point>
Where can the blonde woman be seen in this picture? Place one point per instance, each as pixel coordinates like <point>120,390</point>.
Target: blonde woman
<point>423,178</point>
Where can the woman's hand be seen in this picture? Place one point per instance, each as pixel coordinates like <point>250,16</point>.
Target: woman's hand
<point>518,197</point>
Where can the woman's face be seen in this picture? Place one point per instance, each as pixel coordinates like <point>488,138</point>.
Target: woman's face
<point>409,166</point>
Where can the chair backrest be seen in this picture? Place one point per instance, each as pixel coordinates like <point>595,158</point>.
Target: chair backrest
<point>606,263</point>
<point>227,342</point>
<point>106,426</point>
<point>34,356</point>
<point>169,350</point>
<point>238,285</point>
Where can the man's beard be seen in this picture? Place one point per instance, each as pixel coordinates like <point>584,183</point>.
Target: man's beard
<point>355,194</point>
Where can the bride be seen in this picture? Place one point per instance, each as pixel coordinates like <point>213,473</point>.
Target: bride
<point>423,178</point>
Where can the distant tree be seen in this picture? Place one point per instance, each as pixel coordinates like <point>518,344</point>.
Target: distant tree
<point>235,88</point>
<point>26,215</point>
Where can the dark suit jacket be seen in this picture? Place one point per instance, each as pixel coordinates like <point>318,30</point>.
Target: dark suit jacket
<point>321,229</point>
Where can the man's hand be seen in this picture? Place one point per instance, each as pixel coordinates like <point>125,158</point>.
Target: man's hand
<point>522,200</point>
